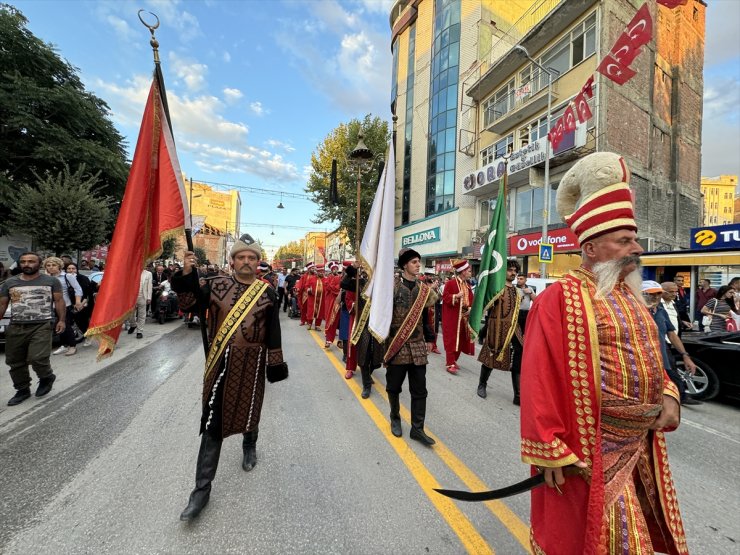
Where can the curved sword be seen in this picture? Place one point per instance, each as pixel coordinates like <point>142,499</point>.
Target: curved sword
<point>514,489</point>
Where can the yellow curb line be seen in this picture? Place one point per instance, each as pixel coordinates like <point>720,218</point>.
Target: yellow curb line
<point>472,541</point>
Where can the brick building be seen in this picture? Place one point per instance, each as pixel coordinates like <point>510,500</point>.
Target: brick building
<point>466,95</point>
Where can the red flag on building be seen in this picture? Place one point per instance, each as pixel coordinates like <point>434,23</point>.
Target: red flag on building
<point>670,4</point>
<point>153,209</point>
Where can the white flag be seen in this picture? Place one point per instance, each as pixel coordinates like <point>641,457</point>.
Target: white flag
<point>377,251</point>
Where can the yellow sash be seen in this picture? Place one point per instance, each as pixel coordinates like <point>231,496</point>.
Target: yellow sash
<point>233,319</point>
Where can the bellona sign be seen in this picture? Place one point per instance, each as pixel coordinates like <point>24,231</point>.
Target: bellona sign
<point>421,237</point>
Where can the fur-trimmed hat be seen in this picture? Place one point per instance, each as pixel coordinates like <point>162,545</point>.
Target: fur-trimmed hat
<point>240,246</point>
<point>406,254</point>
<point>600,181</point>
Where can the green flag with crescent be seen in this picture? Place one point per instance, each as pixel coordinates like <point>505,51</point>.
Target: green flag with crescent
<point>492,274</point>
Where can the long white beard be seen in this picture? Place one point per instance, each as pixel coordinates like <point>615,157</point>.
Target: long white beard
<point>607,275</point>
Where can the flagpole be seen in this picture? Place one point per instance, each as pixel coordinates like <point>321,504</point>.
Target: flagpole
<point>154,43</point>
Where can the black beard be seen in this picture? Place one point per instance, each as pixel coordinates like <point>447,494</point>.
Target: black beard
<point>28,271</point>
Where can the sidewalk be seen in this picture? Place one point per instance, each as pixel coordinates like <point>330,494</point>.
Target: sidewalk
<point>73,369</point>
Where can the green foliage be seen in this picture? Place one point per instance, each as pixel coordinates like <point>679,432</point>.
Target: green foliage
<point>168,249</point>
<point>47,118</point>
<point>200,255</point>
<point>61,212</point>
<point>338,145</point>
<point>292,252</point>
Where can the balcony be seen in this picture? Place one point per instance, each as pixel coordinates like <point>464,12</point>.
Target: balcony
<point>520,104</point>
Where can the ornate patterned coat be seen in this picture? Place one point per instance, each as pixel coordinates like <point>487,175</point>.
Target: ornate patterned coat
<point>414,349</point>
<point>254,346</point>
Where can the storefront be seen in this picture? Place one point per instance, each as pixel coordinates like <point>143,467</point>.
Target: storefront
<point>436,239</point>
<point>714,255</point>
<point>566,254</point>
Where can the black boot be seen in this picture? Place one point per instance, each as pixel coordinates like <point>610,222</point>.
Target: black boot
<point>515,374</point>
<point>418,414</point>
<point>249,445</point>
<point>367,381</point>
<point>485,373</point>
<point>205,472</point>
<point>395,414</point>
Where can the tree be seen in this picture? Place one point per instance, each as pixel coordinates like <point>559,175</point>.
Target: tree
<point>287,254</point>
<point>200,255</point>
<point>48,119</point>
<point>338,145</point>
<point>61,212</point>
<point>168,248</point>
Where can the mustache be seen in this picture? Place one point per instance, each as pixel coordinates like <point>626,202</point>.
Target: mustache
<point>627,260</point>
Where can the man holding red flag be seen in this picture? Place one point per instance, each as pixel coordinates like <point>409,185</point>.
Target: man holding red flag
<point>152,210</point>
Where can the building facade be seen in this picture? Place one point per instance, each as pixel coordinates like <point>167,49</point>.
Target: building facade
<point>467,96</point>
<point>719,199</point>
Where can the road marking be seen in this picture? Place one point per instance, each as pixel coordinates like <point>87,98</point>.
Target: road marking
<point>472,541</point>
<point>709,430</point>
<point>508,518</point>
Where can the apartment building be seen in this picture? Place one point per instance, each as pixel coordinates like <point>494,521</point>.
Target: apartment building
<point>719,199</point>
<point>468,99</point>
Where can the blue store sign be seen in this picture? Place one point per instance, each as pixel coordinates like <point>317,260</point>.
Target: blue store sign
<point>421,237</point>
<point>716,237</point>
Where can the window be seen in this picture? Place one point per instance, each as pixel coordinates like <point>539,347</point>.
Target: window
<point>440,192</point>
<point>487,156</point>
<point>504,146</point>
<point>523,136</point>
<point>499,104</point>
<point>523,210</point>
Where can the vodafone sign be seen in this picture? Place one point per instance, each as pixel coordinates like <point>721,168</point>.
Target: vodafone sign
<point>561,240</point>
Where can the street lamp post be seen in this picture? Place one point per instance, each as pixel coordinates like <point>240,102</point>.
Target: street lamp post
<point>361,160</point>
<point>546,196</point>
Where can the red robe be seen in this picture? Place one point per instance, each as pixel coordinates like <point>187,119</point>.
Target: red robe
<point>314,293</point>
<point>455,330</point>
<point>564,394</point>
<point>331,306</point>
<point>301,296</point>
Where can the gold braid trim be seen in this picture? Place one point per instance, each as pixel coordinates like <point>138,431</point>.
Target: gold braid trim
<point>512,329</point>
<point>233,319</point>
<point>407,326</point>
<point>359,324</point>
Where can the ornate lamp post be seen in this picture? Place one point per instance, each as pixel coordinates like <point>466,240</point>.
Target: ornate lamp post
<point>361,161</point>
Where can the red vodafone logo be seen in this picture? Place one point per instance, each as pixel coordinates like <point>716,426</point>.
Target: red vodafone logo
<point>562,240</point>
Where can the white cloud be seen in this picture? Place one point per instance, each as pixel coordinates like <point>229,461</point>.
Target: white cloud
<point>258,109</point>
<point>226,56</point>
<point>121,28</point>
<point>280,144</point>
<point>378,6</point>
<point>216,144</point>
<point>171,15</point>
<point>721,126</point>
<point>191,73</point>
<point>232,95</point>
<point>722,98</point>
<point>722,42</point>
<point>354,70</point>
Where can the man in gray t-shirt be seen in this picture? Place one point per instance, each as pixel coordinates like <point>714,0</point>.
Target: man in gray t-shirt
<point>33,299</point>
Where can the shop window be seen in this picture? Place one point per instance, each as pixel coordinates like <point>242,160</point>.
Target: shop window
<point>504,146</point>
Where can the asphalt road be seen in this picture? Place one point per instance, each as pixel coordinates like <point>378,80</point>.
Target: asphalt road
<point>105,463</point>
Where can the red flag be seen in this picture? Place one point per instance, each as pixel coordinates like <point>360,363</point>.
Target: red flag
<point>153,209</point>
<point>615,71</point>
<point>640,29</point>
<point>588,88</point>
<point>556,134</point>
<point>670,4</point>
<point>582,108</point>
<point>569,119</point>
<point>625,50</point>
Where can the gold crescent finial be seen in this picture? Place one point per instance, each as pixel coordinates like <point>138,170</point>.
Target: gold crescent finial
<point>153,41</point>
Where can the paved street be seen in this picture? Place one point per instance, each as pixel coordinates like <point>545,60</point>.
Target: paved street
<point>105,463</point>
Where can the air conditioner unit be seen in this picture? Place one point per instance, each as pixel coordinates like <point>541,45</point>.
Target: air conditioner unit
<point>647,243</point>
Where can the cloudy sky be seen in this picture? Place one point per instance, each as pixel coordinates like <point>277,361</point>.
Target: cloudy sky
<point>255,85</point>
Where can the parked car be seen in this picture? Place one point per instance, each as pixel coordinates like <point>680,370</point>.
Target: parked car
<point>718,356</point>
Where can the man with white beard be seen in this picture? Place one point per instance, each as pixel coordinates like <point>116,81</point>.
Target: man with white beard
<point>595,398</point>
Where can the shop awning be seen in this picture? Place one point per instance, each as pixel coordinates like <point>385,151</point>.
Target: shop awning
<point>693,258</point>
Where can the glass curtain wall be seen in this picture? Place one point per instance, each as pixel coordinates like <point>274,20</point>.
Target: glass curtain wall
<point>440,194</point>
<point>409,127</point>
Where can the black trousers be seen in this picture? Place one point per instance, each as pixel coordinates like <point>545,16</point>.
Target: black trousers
<point>282,298</point>
<point>396,374</point>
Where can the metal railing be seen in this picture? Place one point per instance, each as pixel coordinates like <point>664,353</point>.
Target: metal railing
<point>518,97</point>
